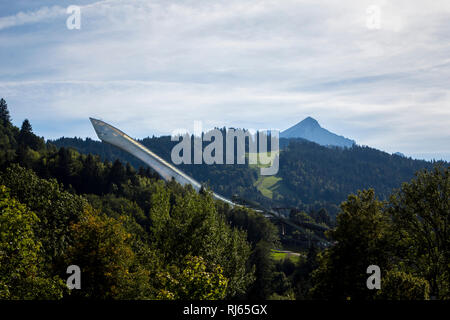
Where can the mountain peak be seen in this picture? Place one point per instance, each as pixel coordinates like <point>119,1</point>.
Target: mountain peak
<point>310,129</point>
<point>309,121</point>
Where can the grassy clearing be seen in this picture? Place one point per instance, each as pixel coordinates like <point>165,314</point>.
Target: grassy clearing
<point>270,185</point>
<point>267,184</point>
<point>279,256</point>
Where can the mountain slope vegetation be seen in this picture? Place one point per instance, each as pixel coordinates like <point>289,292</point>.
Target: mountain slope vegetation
<point>310,176</point>
<point>135,236</point>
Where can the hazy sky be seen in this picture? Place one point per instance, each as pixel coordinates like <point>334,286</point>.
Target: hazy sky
<point>153,66</point>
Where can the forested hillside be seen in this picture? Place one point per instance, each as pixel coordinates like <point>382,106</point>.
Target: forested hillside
<point>311,177</point>
<point>135,236</point>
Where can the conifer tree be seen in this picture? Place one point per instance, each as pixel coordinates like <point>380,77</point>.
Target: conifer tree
<point>5,119</point>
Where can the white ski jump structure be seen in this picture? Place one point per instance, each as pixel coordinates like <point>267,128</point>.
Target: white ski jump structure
<point>110,134</point>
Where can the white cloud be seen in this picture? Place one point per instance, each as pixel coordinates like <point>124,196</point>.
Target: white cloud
<point>152,66</point>
<point>21,18</point>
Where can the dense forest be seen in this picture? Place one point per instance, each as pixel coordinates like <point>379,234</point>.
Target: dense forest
<point>135,236</point>
<point>310,177</point>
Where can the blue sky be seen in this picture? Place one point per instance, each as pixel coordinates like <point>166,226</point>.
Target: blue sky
<point>151,67</point>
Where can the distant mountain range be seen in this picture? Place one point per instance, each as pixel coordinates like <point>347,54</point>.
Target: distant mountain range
<point>311,130</point>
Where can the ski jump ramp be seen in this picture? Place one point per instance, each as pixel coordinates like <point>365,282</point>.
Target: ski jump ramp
<point>112,135</point>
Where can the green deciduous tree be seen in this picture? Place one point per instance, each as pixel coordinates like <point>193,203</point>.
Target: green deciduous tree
<point>398,285</point>
<point>360,239</point>
<point>55,208</point>
<point>184,222</point>
<point>421,216</point>
<point>22,275</point>
<point>264,271</point>
<point>302,275</point>
<point>193,281</point>
<point>101,247</point>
